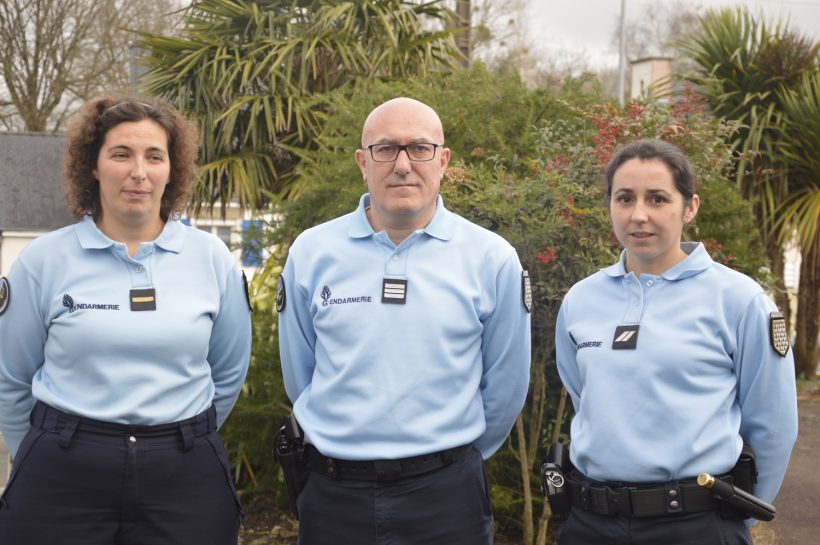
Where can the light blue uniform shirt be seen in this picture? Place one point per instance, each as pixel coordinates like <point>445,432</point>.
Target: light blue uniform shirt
<point>703,378</point>
<point>69,338</point>
<point>371,380</point>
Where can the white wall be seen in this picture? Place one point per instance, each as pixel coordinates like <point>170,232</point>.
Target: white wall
<point>11,244</point>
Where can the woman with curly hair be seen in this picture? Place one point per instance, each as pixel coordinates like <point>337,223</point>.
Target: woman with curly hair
<point>125,341</point>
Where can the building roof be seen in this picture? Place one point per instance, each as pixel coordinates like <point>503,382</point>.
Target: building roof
<point>31,187</point>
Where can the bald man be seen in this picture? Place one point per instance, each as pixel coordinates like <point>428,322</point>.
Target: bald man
<point>404,333</point>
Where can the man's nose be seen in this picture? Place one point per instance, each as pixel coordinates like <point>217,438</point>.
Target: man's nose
<point>403,162</point>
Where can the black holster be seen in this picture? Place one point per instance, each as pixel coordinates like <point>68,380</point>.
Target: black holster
<point>553,483</point>
<point>289,451</point>
<point>744,474</point>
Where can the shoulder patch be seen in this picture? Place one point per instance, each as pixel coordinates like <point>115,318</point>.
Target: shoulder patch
<point>247,292</point>
<point>526,290</point>
<point>778,333</point>
<point>5,294</point>
<point>281,298</point>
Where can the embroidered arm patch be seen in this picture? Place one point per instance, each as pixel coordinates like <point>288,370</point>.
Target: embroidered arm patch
<point>526,290</point>
<point>778,334</point>
<point>5,294</point>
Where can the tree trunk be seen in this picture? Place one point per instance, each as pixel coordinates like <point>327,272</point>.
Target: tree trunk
<point>524,461</point>
<point>781,295</point>
<point>543,523</point>
<point>464,12</point>
<point>807,328</point>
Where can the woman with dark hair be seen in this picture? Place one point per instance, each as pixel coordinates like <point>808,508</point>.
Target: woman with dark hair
<point>125,341</point>
<point>673,363</point>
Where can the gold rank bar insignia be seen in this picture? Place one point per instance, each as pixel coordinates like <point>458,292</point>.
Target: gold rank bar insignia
<point>144,299</point>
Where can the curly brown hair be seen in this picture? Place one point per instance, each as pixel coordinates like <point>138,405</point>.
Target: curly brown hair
<point>86,135</point>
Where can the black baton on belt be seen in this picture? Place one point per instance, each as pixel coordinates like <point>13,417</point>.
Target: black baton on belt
<point>747,504</point>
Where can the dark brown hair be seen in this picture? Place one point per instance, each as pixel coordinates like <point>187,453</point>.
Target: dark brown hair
<point>85,137</point>
<point>659,150</point>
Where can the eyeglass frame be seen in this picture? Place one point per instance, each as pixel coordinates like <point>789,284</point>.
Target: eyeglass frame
<point>403,148</point>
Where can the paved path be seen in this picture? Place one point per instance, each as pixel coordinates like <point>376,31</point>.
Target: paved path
<point>798,503</point>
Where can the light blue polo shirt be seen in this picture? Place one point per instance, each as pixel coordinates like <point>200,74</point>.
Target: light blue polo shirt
<point>70,339</point>
<point>702,378</point>
<point>373,380</point>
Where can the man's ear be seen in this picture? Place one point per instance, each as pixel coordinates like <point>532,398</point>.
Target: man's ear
<point>361,161</point>
<point>445,158</point>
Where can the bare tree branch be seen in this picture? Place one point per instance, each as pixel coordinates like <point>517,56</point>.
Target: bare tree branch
<point>58,53</point>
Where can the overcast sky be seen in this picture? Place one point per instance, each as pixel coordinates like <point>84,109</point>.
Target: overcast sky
<point>589,25</point>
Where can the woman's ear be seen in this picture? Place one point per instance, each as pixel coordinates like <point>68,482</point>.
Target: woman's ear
<point>691,209</point>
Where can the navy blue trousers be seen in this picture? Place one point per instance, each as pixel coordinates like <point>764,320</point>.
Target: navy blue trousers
<point>77,481</point>
<point>450,506</point>
<point>707,528</point>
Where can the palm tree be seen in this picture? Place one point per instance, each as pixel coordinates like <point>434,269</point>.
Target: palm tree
<point>252,74</point>
<point>745,65</point>
<point>800,213</point>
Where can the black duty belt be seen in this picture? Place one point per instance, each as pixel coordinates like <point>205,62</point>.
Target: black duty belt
<point>382,470</point>
<point>642,499</point>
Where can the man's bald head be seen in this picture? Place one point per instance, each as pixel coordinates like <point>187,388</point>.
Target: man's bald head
<point>404,190</point>
<point>403,111</point>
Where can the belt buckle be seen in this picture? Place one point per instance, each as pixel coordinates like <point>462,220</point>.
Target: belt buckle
<point>618,501</point>
<point>387,470</point>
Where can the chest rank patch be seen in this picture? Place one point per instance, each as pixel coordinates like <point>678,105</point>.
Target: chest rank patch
<point>144,299</point>
<point>526,290</point>
<point>5,294</point>
<point>394,291</point>
<point>626,337</point>
<point>281,298</point>
<point>778,334</point>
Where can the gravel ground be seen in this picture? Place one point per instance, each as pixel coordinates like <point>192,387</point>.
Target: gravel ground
<point>798,502</point>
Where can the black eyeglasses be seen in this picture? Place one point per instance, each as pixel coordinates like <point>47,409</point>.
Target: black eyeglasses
<point>387,153</point>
